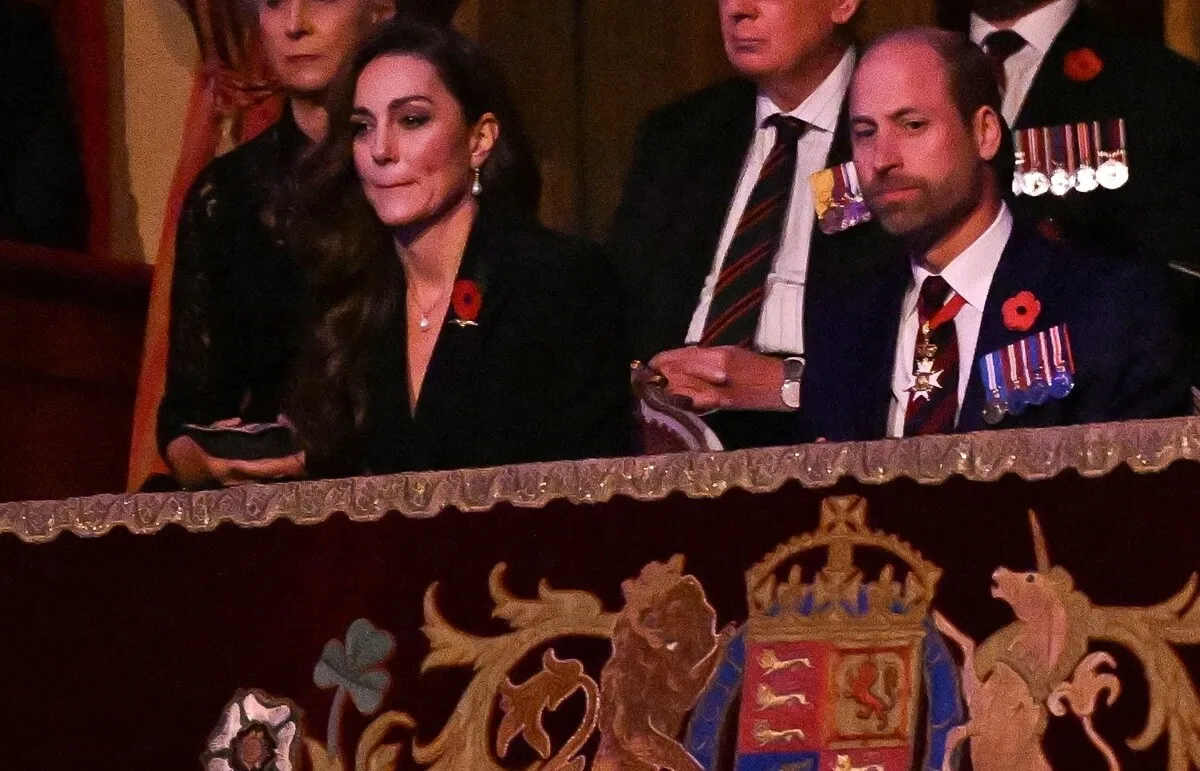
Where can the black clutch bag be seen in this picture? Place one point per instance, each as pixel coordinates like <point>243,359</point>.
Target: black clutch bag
<point>252,441</point>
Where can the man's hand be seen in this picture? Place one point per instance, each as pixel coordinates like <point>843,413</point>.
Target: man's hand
<point>723,378</point>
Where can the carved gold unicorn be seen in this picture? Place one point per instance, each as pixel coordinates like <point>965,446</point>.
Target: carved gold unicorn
<point>1040,664</point>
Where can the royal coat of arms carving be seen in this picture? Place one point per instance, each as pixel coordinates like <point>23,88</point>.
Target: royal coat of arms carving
<point>834,666</point>
<point>845,670</point>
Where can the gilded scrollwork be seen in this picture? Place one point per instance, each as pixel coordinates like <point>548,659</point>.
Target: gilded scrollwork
<point>465,741</point>
<point>523,706</point>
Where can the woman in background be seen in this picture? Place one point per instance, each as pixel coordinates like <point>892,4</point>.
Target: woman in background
<point>451,330</point>
<point>237,294</point>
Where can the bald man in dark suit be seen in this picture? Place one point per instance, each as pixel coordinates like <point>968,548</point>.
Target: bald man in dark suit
<point>935,159</point>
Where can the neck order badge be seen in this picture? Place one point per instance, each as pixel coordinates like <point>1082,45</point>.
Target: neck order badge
<point>933,396</point>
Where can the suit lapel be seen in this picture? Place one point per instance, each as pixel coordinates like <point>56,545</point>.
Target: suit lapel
<point>862,256</point>
<point>387,444</point>
<point>880,361</point>
<point>841,150</point>
<point>719,162</point>
<point>706,185</point>
<point>1054,98</point>
<point>846,252</point>
<point>1019,269</point>
<point>452,381</point>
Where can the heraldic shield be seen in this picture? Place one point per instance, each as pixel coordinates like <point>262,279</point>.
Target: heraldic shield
<point>833,670</point>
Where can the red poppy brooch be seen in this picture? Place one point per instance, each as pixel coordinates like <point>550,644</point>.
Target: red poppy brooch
<point>1082,64</point>
<point>1020,311</point>
<point>466,300</point>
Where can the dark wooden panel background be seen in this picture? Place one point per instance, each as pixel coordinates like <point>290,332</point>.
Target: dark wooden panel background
<point>70,342</point>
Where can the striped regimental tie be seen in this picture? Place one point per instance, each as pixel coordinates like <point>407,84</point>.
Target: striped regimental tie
<point>741,284</point>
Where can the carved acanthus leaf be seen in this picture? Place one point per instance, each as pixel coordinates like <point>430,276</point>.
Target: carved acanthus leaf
<point>551,604</point>
<point>1149,633</point>
<point>464,741</point>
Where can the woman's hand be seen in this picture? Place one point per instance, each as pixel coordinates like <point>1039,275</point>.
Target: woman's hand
<point>194,467</point>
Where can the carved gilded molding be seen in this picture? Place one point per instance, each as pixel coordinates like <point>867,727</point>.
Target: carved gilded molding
<point>1031,454</point>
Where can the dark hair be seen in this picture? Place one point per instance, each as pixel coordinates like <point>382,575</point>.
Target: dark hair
<point>349,257</point>
<point>973,82</point>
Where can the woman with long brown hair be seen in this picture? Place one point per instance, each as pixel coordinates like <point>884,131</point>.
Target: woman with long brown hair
<point>450,329</point>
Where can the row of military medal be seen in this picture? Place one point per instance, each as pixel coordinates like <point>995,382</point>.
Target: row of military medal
<point>1028,372</point>
<point>1078,156</point>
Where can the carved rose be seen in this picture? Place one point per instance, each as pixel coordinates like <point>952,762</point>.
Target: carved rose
<point>256,733</point>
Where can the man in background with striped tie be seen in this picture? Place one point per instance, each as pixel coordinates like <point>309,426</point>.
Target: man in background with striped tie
<point>716,232</point>
<point>987,324</point>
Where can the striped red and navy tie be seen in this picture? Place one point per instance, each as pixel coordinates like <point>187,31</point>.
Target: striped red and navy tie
<point>934,411</point>
<point>741,284</point>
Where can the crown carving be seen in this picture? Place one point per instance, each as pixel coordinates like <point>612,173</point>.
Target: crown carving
<point>839,596</point>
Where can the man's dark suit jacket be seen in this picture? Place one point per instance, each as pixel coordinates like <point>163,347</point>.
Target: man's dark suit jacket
<point>686,165</point>
<point>1156,215</point>
<point>1125,349</point>
<point>42,195</point>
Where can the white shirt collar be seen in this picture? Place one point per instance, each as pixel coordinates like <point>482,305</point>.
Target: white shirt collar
<point>823,106</point>
<point>970,273</point>
<point>1039,28</point>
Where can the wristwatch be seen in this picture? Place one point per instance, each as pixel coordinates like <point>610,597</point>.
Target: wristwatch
<point>793,372</point>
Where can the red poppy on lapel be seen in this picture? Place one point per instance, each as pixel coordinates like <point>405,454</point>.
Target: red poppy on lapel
<point>1082,64</point>
<point>466,300</point>
<point>1020,311</point>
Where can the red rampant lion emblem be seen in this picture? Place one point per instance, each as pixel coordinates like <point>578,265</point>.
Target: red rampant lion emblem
<point>874,704</point>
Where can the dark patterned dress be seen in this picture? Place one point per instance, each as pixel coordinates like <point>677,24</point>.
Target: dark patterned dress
<point>237,297</point>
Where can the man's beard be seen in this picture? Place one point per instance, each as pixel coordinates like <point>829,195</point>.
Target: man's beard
<point>900,219</point>
<point>1000,10</point>
<point>930,215</point>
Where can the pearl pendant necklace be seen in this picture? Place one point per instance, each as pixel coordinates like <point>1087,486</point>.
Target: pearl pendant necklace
<point>424,323</point>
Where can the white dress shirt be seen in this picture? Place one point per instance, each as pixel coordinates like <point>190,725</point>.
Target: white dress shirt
<point>970,275</point>
<point>1039,29</point>
<point>781,321</point>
